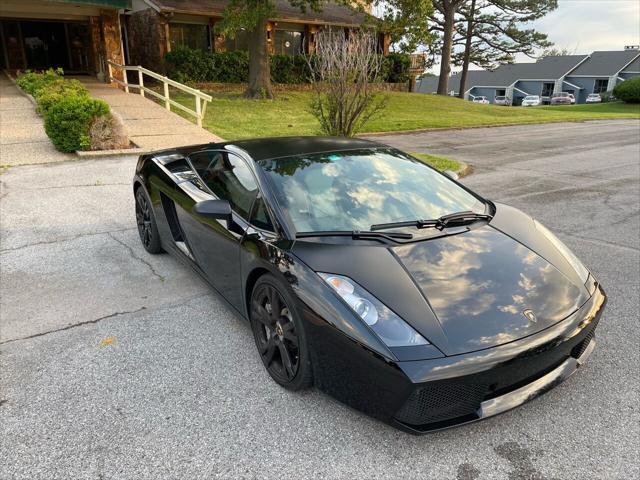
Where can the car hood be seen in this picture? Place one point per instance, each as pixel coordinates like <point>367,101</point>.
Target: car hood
<point>476,289</point>
<point>487,289</point>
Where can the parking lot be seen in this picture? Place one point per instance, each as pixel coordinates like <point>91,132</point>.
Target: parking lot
<point>120,365</point>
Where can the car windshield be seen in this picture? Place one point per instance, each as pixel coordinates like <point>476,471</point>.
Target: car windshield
<point>560,95</point>
<point>531,97</point>
<point>500,98</point>
<point>356,189</point>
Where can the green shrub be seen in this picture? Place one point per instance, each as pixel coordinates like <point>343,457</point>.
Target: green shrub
<point>53,92</point>
<point>230,67</point>
<point>189,65</point>
<point>67,121</point>
<point>290,69</point>
<point>395,68</point>
<point>31,82</point>
<point>628,91</point>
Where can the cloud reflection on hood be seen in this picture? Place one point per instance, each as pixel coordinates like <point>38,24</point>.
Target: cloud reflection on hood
<point>480,282</point>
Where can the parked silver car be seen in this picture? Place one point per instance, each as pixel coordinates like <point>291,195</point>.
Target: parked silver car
<point>594,98</point>
<point>483,100</point>
<point>531,101</point>
<point>502,100</point>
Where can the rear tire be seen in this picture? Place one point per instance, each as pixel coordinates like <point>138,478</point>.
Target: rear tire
<point>279,334</point>
<point>146,221</point>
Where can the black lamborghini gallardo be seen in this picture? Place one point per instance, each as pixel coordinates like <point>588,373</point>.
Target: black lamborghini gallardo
<point>374,277</point>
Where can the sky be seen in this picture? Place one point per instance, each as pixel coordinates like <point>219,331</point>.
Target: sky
<point>583,26</point>
<point>587,25</point>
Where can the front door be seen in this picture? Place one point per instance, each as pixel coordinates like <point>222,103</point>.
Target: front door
<point>215,244</point>
<point>45,44</point>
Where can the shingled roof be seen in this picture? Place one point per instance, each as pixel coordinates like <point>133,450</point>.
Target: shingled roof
<point>547,68</point>
<point>331,14</point>
<point>603,64</point>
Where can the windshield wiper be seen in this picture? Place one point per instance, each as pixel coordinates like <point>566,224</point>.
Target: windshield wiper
<point>439,223</point>
<point>356,234</point>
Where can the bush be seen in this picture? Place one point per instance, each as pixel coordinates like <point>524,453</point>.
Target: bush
<point>188,65</point>
<point>68,120</point>
<point>628,91</point>
<point>32,82</point>
<point>395,68</point>
<point>289,69</point>
<point>53,92</point>
<point>230,67</point>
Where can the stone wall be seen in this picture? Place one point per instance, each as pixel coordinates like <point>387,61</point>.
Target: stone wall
<point>147,32</point>
<point>112,41</point>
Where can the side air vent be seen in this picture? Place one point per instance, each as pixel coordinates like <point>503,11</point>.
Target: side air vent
<point>172,218</point>
<point>174,225</point>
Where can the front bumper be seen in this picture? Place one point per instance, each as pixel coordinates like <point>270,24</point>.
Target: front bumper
<point>428,395</point>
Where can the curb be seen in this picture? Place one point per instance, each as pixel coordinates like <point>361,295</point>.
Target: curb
<point>86,154</point>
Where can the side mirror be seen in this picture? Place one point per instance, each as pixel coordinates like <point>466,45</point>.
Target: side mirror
<point>451,174</point>
<point>216,209</point>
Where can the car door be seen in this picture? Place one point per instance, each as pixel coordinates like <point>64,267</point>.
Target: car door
<point>215,244</point>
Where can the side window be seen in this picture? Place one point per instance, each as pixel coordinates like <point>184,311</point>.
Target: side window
<point>260,217</point>
<point>228,177</point>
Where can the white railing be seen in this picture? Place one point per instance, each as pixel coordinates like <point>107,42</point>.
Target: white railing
<point>200,97</point>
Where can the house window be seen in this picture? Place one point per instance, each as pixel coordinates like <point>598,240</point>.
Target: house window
<point>240,41</point>
<point>189,35</point>
<point>547,89</point>
<point>600,85</point>
<point>500,92</point>
<point>288,40</point>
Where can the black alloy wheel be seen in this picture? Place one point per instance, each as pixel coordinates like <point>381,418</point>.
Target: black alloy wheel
<point>146,221</point>
<point>279,335</point>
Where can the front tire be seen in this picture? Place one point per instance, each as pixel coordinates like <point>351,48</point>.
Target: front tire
<point>146,221</point>
<point>279,334</point>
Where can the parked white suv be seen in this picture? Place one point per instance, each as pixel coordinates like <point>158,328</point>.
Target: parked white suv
<point>483,100</point>
<point>594,98</point>
<point>531,101</point>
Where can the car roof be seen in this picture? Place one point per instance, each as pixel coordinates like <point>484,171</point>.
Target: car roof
<point>277,147</point>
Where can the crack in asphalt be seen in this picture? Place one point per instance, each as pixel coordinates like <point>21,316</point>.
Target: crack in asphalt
<point>97,184</point>
<point>136,257</point>
<point>65,239</point>
<point>106,317</point>
<point>73,325</point>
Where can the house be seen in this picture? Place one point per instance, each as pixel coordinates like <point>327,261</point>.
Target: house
<point>577,74</point>
<point>80,36</point>
<point>155,27</point>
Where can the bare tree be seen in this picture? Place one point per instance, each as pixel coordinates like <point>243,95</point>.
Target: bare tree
<point>343,71</point>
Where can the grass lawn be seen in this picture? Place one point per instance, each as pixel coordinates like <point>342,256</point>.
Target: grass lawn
<point>437,162</point>
<point>232,117</point>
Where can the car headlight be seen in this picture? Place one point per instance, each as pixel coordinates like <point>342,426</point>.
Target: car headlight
<point>577,265</point>
<point>391,329</point>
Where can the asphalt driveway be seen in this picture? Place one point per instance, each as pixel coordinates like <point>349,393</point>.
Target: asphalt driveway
<point>118,364</point>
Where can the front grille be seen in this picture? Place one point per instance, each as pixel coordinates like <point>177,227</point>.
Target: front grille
<point>579,349</point>
<point>446,402</point>
<point>438,402</point>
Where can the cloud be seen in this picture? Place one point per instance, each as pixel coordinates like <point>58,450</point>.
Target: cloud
<point>589,25</point>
